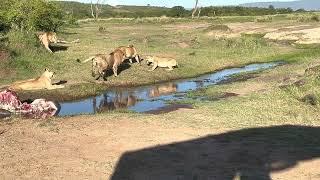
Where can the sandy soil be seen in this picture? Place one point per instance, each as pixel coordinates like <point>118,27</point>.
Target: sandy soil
<point>89,147</point>
<point>299,34</point>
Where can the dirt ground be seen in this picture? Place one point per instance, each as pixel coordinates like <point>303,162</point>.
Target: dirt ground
<point>298,34</point>
<point>89,147</point>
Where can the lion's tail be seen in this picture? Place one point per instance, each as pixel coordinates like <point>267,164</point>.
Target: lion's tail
<point>89,59</point>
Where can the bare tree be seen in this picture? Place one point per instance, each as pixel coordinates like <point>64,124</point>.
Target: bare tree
<point>199,12</point>
<point>97,9</point>
<point>195,9</point>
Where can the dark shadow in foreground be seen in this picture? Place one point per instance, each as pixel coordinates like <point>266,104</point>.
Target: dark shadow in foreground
<point>246,154</point>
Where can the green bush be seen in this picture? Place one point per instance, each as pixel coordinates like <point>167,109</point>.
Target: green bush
<point>178,11</point>
<point>31,15</point>
<point>264,19</point>
<point>218,27</point>
<point>315,18</point>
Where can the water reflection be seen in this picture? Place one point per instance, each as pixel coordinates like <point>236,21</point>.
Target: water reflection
<point>118,101</point>
<point>164,89</point>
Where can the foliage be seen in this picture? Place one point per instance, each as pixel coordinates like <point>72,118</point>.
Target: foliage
<point>178,11</point>
<point>241,11</point>
<point>82,10</point>
<point>31,15</point>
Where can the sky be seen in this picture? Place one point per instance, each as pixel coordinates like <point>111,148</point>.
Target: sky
<point>184,3</point>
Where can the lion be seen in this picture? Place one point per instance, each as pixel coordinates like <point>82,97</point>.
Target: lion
<point>46,38</point>
<point>130,53</point>
<point>102,62</point>
<point>161,62</point>
<point>42,82</point>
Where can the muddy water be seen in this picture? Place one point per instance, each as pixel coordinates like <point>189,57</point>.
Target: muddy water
<point>153,98</point>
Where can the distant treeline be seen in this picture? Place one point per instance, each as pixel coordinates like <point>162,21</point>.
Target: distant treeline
<point>35,15</point>
<point>81,10</point>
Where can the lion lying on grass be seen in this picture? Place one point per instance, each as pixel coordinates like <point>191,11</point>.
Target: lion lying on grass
<point>102,62</point>
<point>42,82</point>
<point>51,37</point>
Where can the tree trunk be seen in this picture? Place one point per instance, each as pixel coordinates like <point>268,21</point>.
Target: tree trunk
<point>199,12</point>
<point>97,11</point>
<point>92,12</point>
<point>195,9</point>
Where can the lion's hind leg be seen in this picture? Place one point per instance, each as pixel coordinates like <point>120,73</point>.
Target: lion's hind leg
<point>46,45</point>
<point>115,70</point>
<point>170,68</point>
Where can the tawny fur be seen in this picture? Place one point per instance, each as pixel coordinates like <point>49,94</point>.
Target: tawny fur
<point>102,62</point>
<point>42,82</point>
<point>46,38</point>
<point>161,62</point>
<point>130,53</point>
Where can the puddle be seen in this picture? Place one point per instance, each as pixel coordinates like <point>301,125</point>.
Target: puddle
<point>153,98</point>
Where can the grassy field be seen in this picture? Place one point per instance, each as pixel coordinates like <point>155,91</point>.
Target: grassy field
<point>191,43</point>
<point>196,52</point>
<point>286,95</point>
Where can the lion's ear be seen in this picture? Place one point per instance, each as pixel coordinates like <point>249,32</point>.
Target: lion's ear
<point>45,69</point>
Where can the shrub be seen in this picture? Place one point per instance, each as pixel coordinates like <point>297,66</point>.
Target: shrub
<point>31,15</point>
<point>315,18</point>
<point>218,27</point>
<point>264,19</point>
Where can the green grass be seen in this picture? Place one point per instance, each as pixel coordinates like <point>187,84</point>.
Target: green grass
<point>276,106</point>
<point>203,54</point>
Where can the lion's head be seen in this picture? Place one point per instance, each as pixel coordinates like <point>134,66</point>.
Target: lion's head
<point>149,59</point>
<point>48,74</point>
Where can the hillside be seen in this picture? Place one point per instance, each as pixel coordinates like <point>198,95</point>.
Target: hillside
<point>301,4</point>
<point>83,10</point>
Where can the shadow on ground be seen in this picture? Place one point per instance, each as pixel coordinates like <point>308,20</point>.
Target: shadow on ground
<point>246,154</point>
<point>121,68</point>
<point>56,48</point>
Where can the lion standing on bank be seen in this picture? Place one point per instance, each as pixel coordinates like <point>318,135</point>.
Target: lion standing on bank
<point>130,53</point>
<point>102,62</point>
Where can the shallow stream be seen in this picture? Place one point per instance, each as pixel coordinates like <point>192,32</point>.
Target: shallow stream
<point>153,98</point>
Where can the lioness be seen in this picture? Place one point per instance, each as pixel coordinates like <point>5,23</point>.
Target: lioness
<point>130,52</point>
<point>102,62</point>
<point>161,62</point>
<point>42,82</point>
<point>46,38</point>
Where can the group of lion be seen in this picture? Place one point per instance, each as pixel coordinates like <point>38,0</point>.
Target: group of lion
<point>100,64</point>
